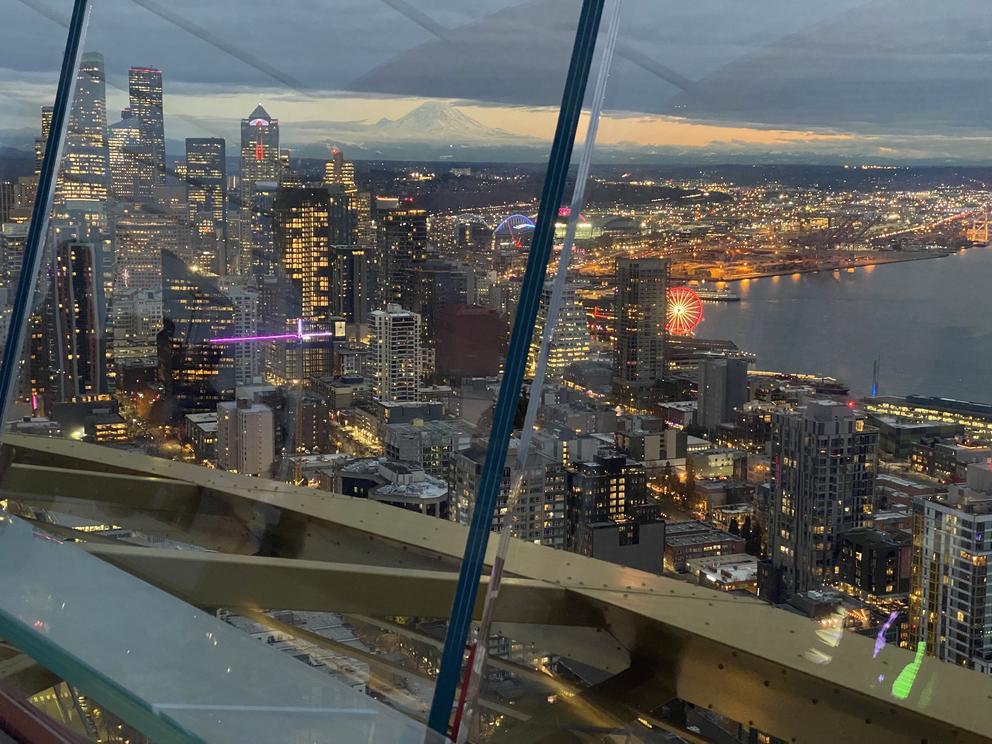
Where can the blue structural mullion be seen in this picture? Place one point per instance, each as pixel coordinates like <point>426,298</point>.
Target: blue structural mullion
<point>34,246</point>
<point>516,358</point>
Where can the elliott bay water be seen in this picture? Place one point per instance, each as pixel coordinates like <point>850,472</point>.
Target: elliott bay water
<point>928,322</point>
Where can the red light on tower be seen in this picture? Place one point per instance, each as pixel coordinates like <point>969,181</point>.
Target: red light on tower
<point>684,312</point>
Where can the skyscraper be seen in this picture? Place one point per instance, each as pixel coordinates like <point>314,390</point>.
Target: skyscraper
<point>201,372</point>
<point>145,92</point>
<point>40,143</point>
<point>260,162</point>
<point>141,238</point>
<point>397,356</point>
<point>244,323</point>
<point>952,546</point>
<point>639,357</point>
<point>206,199</point>
<point>341,172</point>
<point>307,221</point>
<point>77,365</point>
<point>132,173</point>
<point>570,337</point>
<point>402,249</point>
<point>722,391</point>
<point>260,255</point>
<point>824,461</point>
<point>350,284</point>
<point>6,200</point>
<point>83,175</point>
<point>259,148</point>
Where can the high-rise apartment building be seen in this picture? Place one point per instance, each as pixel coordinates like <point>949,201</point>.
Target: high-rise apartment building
<point>350,283</point>
<point>206,199</point>
<point>244,323</point>
<point>245,437</point>
<point>137,318</point>
<point>722,391</point>
<point>570,337</point>
<point>639,357</point>
<point>401,245</point>
<point>609,514</point>
<point>824,459</point>
<point>145,94</point>
<point>7,200</point>
<point>538,512</point>
<point>77,363</point>
<point>341,172</point>
<point>397,355</point>
<point>952,546</point>
<point>200,373</point>
<point>308,220</point>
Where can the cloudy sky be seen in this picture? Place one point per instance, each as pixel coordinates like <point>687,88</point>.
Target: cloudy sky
<point>871,79</point>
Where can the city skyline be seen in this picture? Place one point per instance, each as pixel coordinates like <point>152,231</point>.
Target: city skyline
<point>673,97</point>
<point>236,282</point>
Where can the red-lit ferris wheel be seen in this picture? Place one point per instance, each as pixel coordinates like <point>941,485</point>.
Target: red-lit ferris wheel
<point>684,312</point>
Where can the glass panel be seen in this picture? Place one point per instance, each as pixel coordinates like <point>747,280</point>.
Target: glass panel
<point>747,389</point>
<point>199,680</point>
<point>289,260</point>
<point>284,274</point>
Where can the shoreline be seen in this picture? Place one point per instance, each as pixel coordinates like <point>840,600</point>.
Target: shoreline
<point>881,261</point>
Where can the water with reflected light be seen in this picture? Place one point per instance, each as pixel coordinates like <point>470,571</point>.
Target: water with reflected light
<point>928,322</point>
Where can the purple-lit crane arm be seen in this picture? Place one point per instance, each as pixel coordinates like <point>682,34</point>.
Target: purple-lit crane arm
<point>300,335</point>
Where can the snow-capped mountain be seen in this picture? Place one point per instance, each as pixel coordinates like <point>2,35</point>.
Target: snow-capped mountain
<point>434,122</point>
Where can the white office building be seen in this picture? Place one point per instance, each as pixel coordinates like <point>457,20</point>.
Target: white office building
<point>397,354</point>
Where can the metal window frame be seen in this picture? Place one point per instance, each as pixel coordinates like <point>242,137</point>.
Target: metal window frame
<point>516,358</point>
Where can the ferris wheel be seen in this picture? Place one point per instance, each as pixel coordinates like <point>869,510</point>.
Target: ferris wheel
<point>684,311</point>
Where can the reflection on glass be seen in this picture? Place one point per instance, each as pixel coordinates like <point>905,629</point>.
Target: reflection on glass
<point>288,244</point>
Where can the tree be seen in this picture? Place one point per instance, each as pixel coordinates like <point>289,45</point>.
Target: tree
<point>753,544</point>
<point>735,528</point>
<point>746,528</point>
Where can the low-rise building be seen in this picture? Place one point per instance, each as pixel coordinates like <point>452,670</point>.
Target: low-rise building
<point>731,572</point>
<point>199,432</point>
<point>946,460</point>
<point>430,444</point>
<point>897,435</point>
<point>697,539</point>
<point>400,484</point>
<point>679,414</point>
<point>874,563</point>
<point>718,462</point>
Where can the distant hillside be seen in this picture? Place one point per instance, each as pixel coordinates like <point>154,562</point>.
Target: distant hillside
<point>15,163</point>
